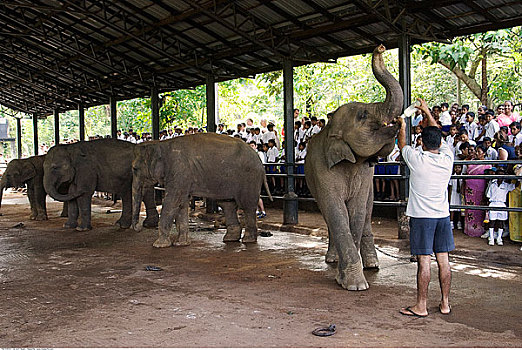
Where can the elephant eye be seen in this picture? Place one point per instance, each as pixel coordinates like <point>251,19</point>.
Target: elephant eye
<point>362,115</point>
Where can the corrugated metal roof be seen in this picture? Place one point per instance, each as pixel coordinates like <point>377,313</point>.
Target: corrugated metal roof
<point>56,54</point>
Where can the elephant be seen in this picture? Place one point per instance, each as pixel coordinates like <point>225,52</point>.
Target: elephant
<point>29,171</point>
<point>339,173</point>
<point>205,165</point>
<point>100,165</point>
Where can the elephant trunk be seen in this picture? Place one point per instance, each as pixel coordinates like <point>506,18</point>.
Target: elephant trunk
<point>137,196</point>
<point>393,105</point>
<point>3,184</point>
<point>52,191</point>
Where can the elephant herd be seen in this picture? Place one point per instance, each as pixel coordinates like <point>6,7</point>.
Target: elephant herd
<point>338,170</point>
<point>189,166</point>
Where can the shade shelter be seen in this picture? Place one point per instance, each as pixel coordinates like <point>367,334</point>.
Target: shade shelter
<point>58,55</point>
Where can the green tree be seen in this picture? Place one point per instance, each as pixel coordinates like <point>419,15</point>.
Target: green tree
<point>465,55</point>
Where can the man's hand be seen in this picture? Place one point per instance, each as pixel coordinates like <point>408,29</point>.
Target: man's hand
<point>401,137</point>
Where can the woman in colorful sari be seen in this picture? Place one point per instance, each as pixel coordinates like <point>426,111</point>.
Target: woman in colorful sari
<point>474,195</point>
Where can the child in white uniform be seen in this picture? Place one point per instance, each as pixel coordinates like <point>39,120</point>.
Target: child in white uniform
<point>497,193</point>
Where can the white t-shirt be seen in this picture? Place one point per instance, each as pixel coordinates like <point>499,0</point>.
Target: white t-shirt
<point>315,130</point>
<point>517,140</point>
<point>429,177</point>
<point>471,128</point>
<point>491,154</point>
<point>445,118</point>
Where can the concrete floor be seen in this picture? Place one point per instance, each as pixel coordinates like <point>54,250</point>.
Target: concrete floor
<point>62,288</point>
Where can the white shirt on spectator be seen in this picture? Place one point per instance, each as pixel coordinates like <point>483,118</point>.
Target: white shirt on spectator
<point>497,193</point>
<point>516,140</point>
<point>491,129</point>
<point>429,177</point>
<point>131,139</point>
<point>445,118</point>
<point>471,128</point>
<point>491,154</point>
<point>272,154</point>
<point>315,130</point>
<point>300,156</point>
<point>450,140</point>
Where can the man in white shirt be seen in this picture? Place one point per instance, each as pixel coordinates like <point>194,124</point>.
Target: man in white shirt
<point>471,126</point>
<point>492,127</point>
<point>428,209</point>
<point>491,153</point>
<point>516,136</point>
<point>445,118</point>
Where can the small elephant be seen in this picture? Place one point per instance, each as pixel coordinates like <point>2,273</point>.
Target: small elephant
<point>103,165</point>
<point>204,165</point>
<point>29,171</point>
<point>339,173</point>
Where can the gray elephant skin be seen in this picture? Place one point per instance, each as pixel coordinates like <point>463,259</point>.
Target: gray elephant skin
<point>205,165</point>
<point>29,171</point>
<point>339,174</point>
<point>100,165</point>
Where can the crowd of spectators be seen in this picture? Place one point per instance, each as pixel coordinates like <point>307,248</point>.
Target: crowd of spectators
<point>484,134</point>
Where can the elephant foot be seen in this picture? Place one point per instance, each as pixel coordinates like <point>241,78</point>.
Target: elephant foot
<point>352,277</point>
<point>249,238</point>
<point>41,218</point>
<point>370,262</point>
<point>233,234</point>
<point>122,223</point>
<point>83,228</point>
<point>32,217</point>
<point>70,225</point>
<point>183,243</point>
<point>151,222</point>
<point>331,256</point>
<point>64,214</point>
<point>162,242</point>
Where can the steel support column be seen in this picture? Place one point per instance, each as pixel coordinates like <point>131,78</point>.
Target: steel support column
<point>290,198</point>
<point>56,127</point>
<point>154,103</point>
<point>211,104</point>
<point>114,117</point>
<point>35,133</point>
<point>81,121</point>
<point>405,81</point>
<point>19,137</point>
<point>211,125</point>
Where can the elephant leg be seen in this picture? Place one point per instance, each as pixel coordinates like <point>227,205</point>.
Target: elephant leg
<point>72,217</point>
<point>126,213</point>
<point>250,235</point>
<point>41,207</point>
<point>152,218</point>
<point>233,226</point>
<point>84,209</point>
<point>350,270</point>
<point>368,252</point>
<point>65,210</point>
<point>182,226</point>
<point>32,201</point>
<point>331,254</point>
<point>170,209</point>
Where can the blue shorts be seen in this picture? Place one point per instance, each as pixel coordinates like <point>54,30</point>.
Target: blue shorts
<point>299,169</point>
<point>429,236</point>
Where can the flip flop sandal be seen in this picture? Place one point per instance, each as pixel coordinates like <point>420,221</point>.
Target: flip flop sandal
<point>324,332</point>
<point>444,313</point>
<point>411,312</point>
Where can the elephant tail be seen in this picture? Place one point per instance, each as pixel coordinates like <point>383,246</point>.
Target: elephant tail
<point>267,189</point>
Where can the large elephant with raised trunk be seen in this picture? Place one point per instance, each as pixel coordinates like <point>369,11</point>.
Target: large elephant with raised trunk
<point>103,165</point>
<point>339,173</point>
<point>29,171</point>
<point>205,165</point>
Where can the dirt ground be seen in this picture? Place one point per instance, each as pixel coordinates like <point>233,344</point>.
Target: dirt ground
<point>62,288</point>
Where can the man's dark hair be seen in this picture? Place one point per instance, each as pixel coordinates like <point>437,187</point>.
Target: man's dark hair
<point>470,114</point>
<point>515,124</point>
<point>466,106</point>
<point>431,137</point>
<point>486,139</point>
<point>444,104</point>
<point>464,145</point>
<point>483,148</point>
<point>463,131</point>
<point>435,108</point>
<point>314,119</point>
<point>490,112</point>
<point>297,123</point>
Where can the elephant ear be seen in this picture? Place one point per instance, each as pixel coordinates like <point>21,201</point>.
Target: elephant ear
<point>337,150</point>
<point>28,172</point>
